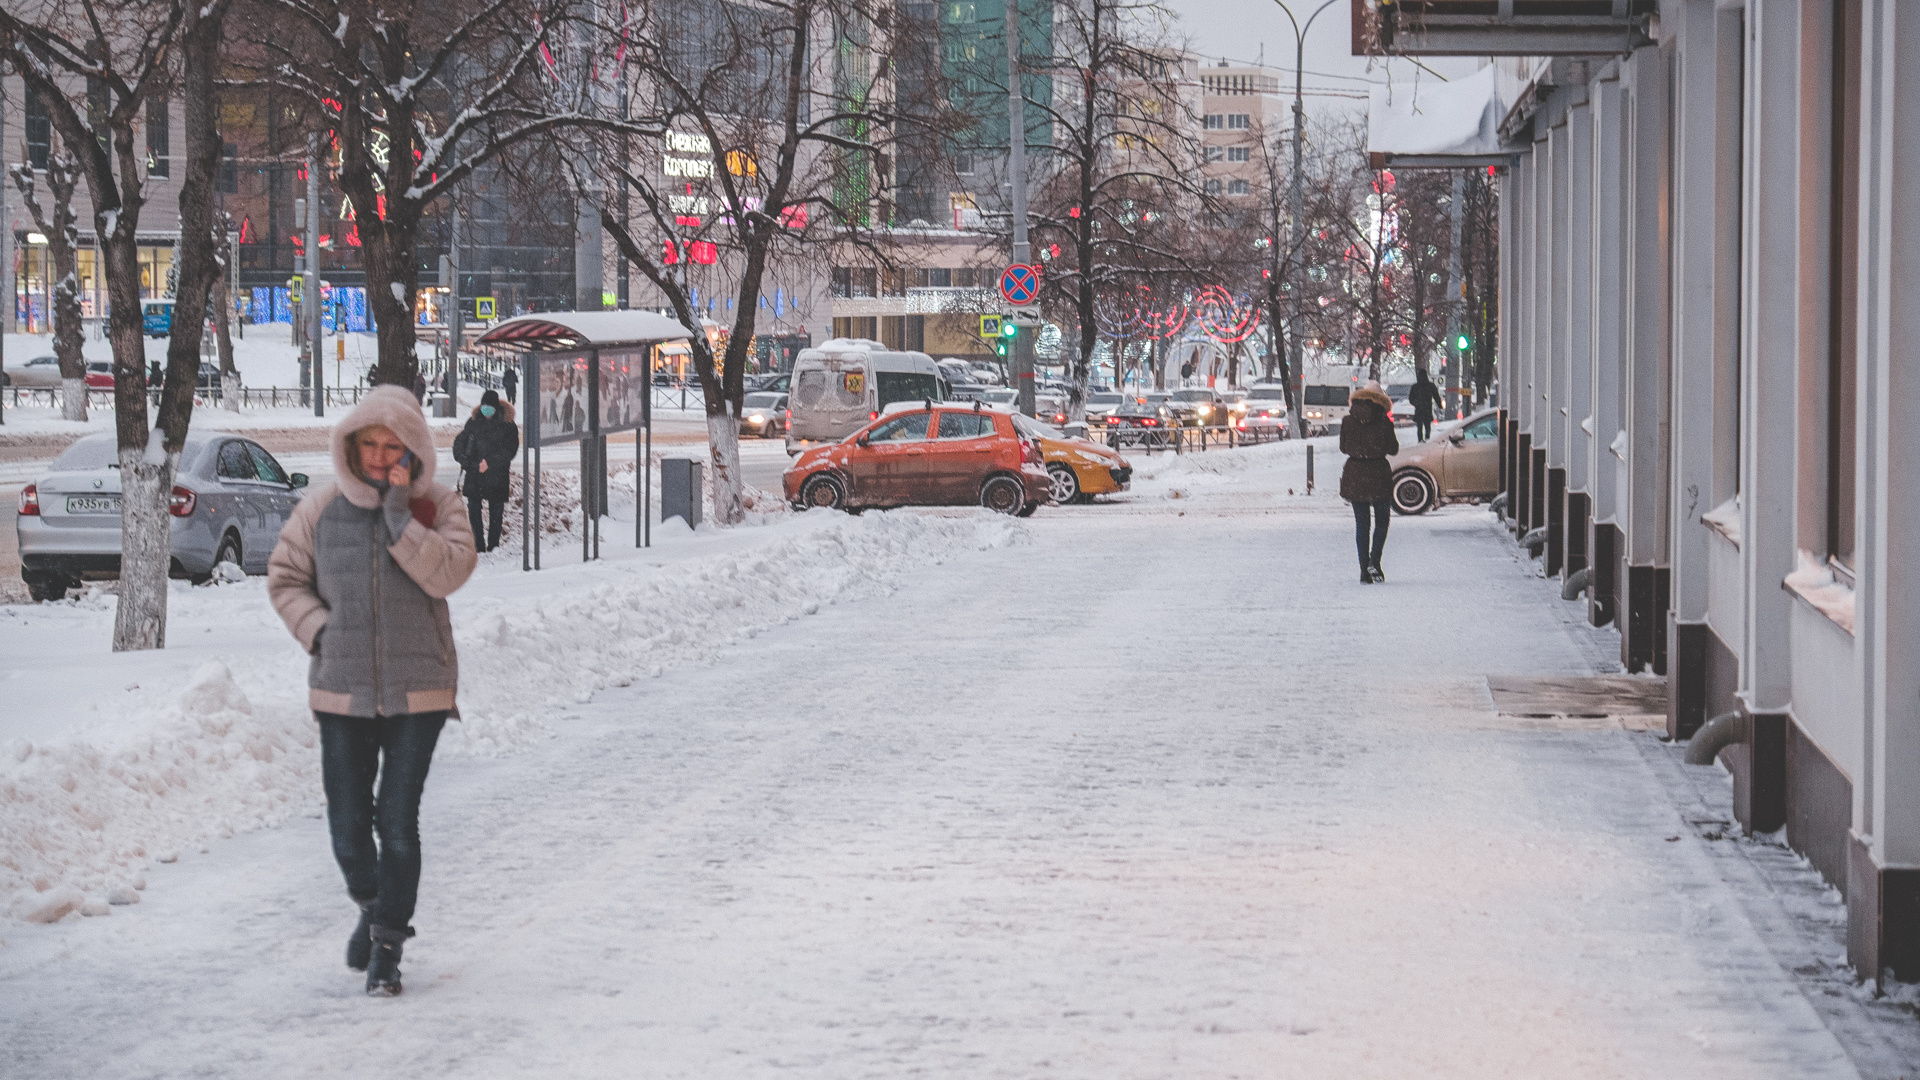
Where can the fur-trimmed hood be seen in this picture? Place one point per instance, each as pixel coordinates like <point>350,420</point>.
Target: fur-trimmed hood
<point>505,413</point>
<point>394,408</point>
<point>1376,397</point>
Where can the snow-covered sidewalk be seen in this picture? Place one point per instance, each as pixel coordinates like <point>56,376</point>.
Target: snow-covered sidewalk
<point>1146,789</point>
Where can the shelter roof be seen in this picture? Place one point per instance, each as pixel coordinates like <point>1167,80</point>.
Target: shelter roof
<point>583,330</point>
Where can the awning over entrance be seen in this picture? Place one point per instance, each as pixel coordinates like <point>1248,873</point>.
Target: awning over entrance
<point>1433,124</point>
<point>583,329</point>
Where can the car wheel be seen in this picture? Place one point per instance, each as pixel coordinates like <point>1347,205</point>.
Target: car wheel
<point>824,491</point>
<point>1065,483</point>
<point>229,551</point>
<point>1413,493</point>
<point>45,589</point>
<point>1003,495</point>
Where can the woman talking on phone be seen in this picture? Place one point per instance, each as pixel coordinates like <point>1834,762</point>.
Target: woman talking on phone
<point>360,576</point>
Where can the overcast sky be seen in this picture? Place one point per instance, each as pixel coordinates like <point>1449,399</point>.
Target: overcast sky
<point>1246,31</point>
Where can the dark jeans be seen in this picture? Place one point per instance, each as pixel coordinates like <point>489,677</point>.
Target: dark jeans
<point>1422,428</point>
<point>353,750</point>
<point>496,507</point>
<point>510,388</point>
<point>1370,551</point>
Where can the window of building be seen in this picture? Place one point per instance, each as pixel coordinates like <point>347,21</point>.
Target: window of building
<point>1214,153</point>
<point>1843,252</point>
<point>939,277</point>
<point>854,281</point>
<point>966,277</point>
<point>1238,187</point>
<point>159,137</point>
<point>1239,121</point>
<point>39,131</point>
<point>1216,121</point>
<point>1213,187</point>
<point>1239,153</point>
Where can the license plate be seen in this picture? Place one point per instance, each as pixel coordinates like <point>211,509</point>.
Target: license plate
<point>93,504</point>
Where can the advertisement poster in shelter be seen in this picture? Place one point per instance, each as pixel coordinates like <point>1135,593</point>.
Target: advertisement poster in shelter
<point>562,415</point>
<point>623,389</point>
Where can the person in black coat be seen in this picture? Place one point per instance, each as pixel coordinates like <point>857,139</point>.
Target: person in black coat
<point>510,382</point>
<point>1367,438</point>
<point>1424,397</point>
<point>485,449</point>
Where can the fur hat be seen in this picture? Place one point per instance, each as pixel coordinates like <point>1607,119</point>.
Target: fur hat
<point>395,409</point>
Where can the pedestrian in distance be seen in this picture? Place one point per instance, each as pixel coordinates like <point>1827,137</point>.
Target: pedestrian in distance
<point>1424,397</point>
<point>510,382</point>
<point>360,576</point>
<point>419,388</point>
<point>1367,438</point>
<point>485,449</point>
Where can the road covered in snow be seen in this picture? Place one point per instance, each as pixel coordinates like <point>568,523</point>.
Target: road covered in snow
<point>1150,788</point>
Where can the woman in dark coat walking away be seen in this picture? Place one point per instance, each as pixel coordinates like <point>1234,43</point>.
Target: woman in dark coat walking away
<point>485,448</point>
<point>360,577</point>
<point>1424,397</point>
<point>1367,438</point>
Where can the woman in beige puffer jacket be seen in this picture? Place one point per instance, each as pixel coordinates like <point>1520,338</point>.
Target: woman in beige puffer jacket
<point>360,576</point>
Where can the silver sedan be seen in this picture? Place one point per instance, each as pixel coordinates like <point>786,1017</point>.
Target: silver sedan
<point>229,499</point>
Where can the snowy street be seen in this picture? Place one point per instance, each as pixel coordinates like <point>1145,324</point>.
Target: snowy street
<point>1148,788</point>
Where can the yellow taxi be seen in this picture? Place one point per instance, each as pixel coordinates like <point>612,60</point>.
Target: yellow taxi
<point>1077,469</point>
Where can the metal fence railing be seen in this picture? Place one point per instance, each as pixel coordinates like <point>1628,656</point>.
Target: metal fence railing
<point>1189,440</point>
<point>250,397</point>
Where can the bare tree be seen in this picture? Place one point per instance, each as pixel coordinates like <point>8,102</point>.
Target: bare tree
<point>776,133</point>
<point>96,64</point>
<point>1480,260</point>
<point>1112,215</point>
<point>416,95</point>
<point>1357,239</point>
<point>57,224</point>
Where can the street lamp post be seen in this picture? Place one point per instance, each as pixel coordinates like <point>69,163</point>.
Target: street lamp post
<point>1017,180</point>
<point>1295,373</point>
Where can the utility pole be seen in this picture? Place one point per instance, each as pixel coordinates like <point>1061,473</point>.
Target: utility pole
<point>1017,181</point>
<point>313,280</point>
<point>1296,373</point>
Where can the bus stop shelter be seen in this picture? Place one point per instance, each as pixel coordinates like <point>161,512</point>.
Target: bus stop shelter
<point>584,375</point>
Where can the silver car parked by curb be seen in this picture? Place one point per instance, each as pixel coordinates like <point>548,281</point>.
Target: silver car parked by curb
<point>229,499</point>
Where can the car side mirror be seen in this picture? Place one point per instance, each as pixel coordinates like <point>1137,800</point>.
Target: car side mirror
<point>298,480</point>
<point>863,440</point>
<point>1456,437</point>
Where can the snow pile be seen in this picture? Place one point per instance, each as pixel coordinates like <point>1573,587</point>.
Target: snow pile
<point>1177,476</point>
<point>1812,580</point>
<point>84,811</point>
<point>79,820</point>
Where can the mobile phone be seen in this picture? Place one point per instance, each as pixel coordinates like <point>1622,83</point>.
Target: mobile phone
<point>406,459</point>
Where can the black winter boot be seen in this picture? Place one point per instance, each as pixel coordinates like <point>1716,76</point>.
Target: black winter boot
<point>1378,574</point>
<point>360,945</point>
<point>383,972</point>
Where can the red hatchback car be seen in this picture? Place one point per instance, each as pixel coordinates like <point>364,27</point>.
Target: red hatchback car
<point>943,454</point>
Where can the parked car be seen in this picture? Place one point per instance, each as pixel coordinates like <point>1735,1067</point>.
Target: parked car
<point>967,391</point>
<point>1000,396</point>
<point>100,375</point>
<point>1077,469</point>
<point>947,455</point>
<point>764,414</point>
<point>987,374</point>
<point>1100,406</point>
<point>956,371</point>
<point>229,500</point>
<point>1197,407</point>
<point>1050,409</point>
<point>38,373</point>
<point>843,384</point>
<point>1459,462</point>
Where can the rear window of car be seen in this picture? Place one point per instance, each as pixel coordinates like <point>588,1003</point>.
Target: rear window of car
<point>1267,393</point>
<point>88,454</point>
<point>1326,395</point>
<point>907,386</point>
<point>1192,395</point>
<point>761,401</point>
<point>1103,399</point>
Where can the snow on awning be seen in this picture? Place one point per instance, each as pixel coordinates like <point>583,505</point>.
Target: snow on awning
<point>583,330</point>
<point>1441,125</point>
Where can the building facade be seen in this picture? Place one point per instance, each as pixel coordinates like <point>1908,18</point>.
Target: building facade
<point>1709,288</point>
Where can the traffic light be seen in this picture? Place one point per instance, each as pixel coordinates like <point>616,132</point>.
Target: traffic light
<point>1008,329</point>
<point>1461,343</point>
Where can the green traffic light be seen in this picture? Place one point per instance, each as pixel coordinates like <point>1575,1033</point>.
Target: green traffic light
<point>1461,343</point>
<point>1008,329</point>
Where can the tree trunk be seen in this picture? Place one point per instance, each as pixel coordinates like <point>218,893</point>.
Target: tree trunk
<point>146,478</point>
<point>69,333</point>
<point>393,280</point>
<point>223,319</point>
<point>723,444</point>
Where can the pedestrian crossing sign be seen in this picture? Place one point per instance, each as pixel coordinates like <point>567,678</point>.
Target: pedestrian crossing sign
<point>989,326</point>
<point>483,307</point>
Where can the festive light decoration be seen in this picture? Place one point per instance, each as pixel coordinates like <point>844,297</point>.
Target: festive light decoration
<point>1224,317</point>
